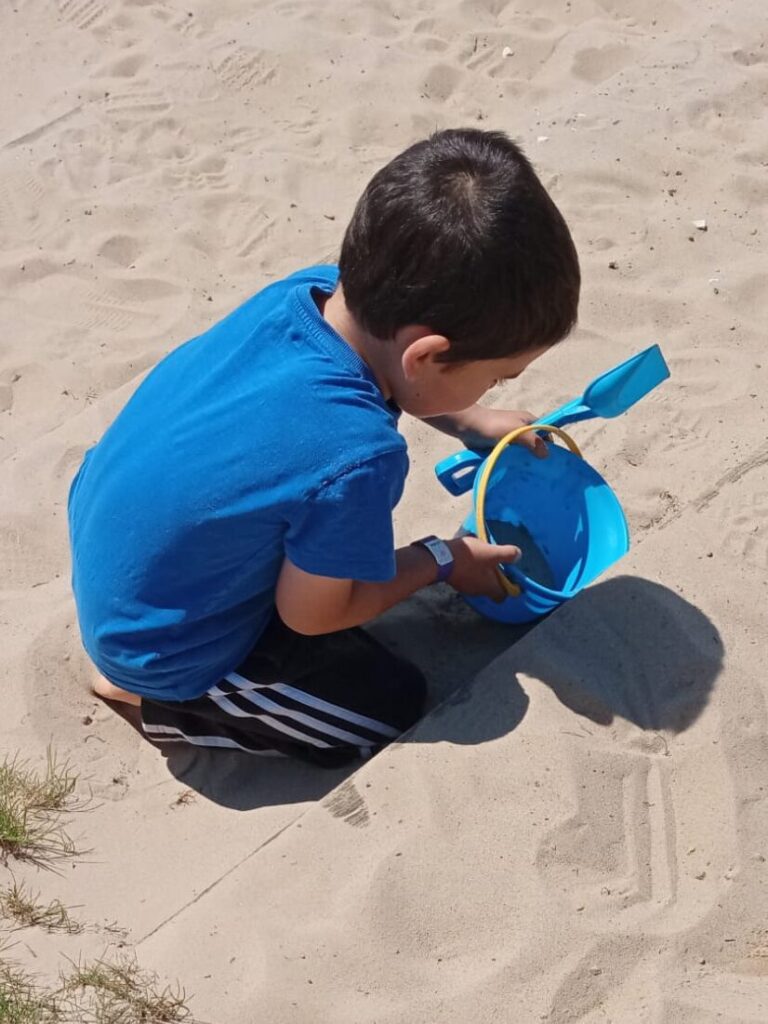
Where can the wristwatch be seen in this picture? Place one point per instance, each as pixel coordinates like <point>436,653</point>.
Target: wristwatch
<point>441,554</point>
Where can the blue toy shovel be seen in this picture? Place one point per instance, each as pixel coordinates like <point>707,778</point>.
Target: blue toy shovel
<point>609,395</point>
<point>572,523</point>
<point>614,391</point>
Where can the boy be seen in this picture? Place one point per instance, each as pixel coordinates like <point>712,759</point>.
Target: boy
<point>233,528</point>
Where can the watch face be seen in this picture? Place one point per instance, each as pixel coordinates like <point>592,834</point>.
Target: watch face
<point>441,552</point>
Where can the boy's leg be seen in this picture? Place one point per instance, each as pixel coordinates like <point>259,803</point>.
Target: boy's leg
<point>327,699</point>
<point>103,688</point>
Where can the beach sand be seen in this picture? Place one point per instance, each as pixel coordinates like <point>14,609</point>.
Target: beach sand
<point>577,831</point>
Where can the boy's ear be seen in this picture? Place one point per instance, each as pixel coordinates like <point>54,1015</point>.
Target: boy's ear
<point>420,350</point>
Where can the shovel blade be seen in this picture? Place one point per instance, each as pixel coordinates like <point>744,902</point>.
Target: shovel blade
<point>617,390</point>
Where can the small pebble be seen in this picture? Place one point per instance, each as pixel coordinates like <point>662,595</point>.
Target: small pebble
<point>700,225</point>
<point>507,52</point>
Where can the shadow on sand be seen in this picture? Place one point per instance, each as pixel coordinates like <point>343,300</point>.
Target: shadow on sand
<point>627,647</point>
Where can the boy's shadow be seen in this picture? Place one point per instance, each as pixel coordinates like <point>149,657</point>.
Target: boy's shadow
<point>626,647</point>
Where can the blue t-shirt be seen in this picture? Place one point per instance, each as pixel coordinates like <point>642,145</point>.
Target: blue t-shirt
<point>264,437</point>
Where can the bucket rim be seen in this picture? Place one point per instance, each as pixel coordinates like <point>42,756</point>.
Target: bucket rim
<point>527,583</point>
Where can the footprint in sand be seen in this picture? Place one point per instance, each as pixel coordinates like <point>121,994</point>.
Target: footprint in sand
<point>597,64</point>
<point>24,212</point>
<point>745,522</point>
<point>347,803</point>
<point>244,69</point>
<point>123,250</point>
<point>83,14</point>
<point>440,83</point>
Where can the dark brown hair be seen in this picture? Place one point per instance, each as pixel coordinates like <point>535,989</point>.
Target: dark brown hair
<point>458,234</point>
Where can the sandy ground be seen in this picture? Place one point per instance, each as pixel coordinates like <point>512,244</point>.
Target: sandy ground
<point>578,831</point>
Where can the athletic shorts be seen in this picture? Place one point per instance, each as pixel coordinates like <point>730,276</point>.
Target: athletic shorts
<point>327,699</point>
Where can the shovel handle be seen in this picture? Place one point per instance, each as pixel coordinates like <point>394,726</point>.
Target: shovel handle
<point>572,412</point>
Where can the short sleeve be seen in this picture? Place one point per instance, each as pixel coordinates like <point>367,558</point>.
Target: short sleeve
<point>345,529</point>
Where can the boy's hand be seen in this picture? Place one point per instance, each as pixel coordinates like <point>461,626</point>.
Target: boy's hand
<point>488,426</point>
<point>480,427</point>
<point>475,571</point>
<point>320,604</point>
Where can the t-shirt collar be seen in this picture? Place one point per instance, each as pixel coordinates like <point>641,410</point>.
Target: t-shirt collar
<point>322,332</point>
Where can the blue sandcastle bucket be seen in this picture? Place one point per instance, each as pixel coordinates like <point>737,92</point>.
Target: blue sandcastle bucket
<point>565,518</point>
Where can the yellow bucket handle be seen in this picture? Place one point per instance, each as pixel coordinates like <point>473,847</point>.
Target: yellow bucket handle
<point>511,588</point>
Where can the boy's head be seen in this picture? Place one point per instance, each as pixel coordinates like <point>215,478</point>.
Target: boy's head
<point>458,235</point>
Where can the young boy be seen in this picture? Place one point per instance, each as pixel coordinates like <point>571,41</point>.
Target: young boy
<point>233,528</point>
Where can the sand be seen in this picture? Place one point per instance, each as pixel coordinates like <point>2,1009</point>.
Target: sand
<point>577,831</point>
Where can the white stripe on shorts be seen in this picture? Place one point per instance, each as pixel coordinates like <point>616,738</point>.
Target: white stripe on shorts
<point>262,701</point>
<point>170,734</point>
<point>222,699</point>
<point>247,685</point>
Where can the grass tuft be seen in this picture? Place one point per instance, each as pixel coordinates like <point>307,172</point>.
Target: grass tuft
<point>121,993</point>
<point>19,905</point>
<point>21,1002</point>
<point>31,804</point>
<point>96,993</point>
<point>41,792</point>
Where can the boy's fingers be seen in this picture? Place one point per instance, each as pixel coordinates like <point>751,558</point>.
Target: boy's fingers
<point>507,553</point>
<point>535,443</point>
<point>540,447</point>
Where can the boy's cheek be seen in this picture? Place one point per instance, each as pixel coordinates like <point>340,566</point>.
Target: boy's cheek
<point>423,405</point>
<point>449,396</point>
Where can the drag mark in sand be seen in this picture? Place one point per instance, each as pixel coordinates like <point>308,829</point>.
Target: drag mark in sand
<point>626,800</point>
<point>216,881</point>
<point>36,133</point>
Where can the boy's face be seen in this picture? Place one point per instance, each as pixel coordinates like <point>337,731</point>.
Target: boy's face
<point>429,387</point>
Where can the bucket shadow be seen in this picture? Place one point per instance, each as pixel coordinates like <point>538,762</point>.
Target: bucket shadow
<point>626,648</point>
<point>632,649</point>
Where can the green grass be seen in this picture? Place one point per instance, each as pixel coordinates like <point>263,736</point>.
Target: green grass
<point>21,1002</point>
<point>121,993</point>
<point>97,993</point>
<point>19,905</point>
<point>31,805</point>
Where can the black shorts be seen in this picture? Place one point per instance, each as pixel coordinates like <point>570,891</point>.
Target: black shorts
<point>327,699</point>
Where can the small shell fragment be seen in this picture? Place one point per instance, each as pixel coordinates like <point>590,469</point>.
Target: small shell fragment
<point>701,225</point>
<point>543,138</point>
<point>507,52</point>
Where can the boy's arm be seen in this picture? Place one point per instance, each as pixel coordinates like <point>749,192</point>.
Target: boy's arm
<point>312,604</point>
<point>480,427</point>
